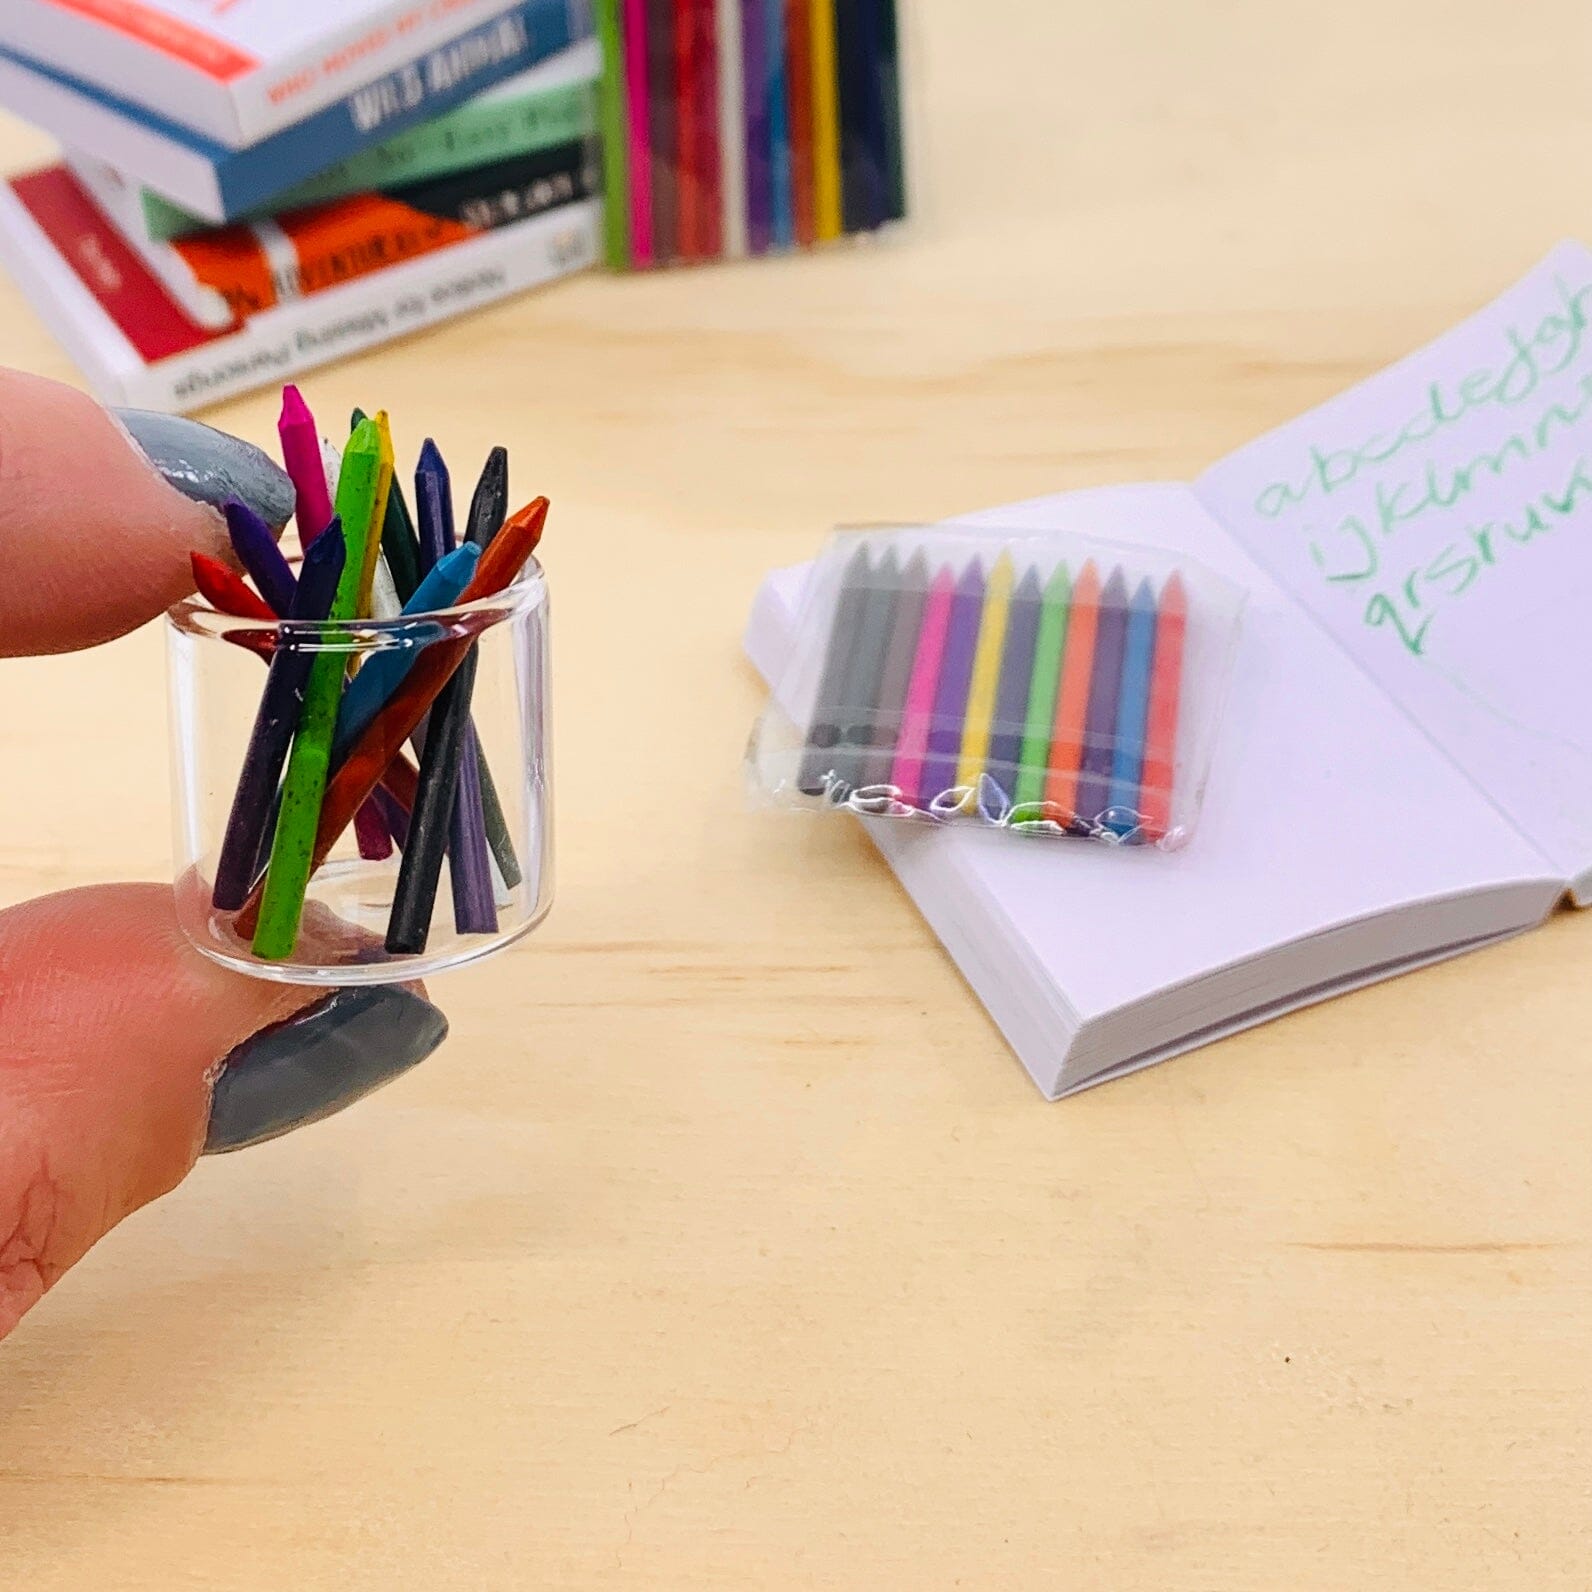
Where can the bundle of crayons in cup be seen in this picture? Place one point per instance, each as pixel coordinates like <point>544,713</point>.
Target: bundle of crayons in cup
<point>1010,684</point>
<point>364,718</point>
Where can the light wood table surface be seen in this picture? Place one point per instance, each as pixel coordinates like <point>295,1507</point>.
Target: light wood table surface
<point>725,1245</point>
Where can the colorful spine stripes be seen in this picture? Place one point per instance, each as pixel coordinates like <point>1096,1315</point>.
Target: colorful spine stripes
<point>327,748</point>
<point>1014,695</point>
<point>735,127</point>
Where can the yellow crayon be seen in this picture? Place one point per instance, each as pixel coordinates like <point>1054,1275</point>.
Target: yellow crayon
<point>986,672</point>
<point>378,515</point>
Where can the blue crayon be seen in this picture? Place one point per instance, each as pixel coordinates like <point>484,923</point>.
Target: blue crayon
<point>1105,684</point>
<point>384,671</point>
<point>1133,707</point>
<point>956,678</point>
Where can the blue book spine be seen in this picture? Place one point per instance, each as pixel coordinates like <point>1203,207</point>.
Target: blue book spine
<point>433,83</point>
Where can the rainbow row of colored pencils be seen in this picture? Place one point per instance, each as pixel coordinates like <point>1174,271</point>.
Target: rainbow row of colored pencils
<point>1062,692</point>
<point>735,127</point>
<point>327,747</point>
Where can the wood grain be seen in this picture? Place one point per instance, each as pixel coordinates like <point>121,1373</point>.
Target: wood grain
<point>725,1246</point>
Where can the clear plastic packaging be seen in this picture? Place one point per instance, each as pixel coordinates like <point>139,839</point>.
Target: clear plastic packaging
<point>747,127</point>
<point>1037,683</point>
<point>497,818</point>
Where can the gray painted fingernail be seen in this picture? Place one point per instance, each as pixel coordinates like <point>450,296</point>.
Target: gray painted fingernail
<point>325,1058</point>
<point>209,466</point>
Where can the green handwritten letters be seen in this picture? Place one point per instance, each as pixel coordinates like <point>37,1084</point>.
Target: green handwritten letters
<point>1539,394</point>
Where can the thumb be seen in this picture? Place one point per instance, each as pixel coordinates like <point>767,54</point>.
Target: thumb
<point>124,1054</point>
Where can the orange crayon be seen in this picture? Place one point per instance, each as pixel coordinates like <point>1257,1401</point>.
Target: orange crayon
<point>1160,736</point>
<point>1072,695</point>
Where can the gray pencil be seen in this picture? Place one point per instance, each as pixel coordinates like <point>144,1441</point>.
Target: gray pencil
<point>905,624</point>
<point>867,670</point>
<point>823,730</point>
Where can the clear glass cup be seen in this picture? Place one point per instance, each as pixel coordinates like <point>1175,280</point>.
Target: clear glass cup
<point>217,671</point>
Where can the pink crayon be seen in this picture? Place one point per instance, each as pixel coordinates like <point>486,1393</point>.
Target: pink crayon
<point>301,455</point>
<point>906,773</point>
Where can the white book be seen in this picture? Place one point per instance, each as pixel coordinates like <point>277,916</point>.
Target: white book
<point>136,347</point>
<point>239,71</point>
<point>1404,770</point>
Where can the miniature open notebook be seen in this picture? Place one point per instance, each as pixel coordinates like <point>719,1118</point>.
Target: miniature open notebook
<point>1404,769</point>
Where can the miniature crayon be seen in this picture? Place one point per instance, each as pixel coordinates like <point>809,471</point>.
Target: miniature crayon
<point>865,677</point>
<point>986,672</point>
<point>399,546</point>
<point>906,772</point>
<point>1105,685</point>
<point>301,455</point>
<point>378,512</point>
<point>824,729</point>
<point>1034,759</point>
<point>1160,739</point>
<point>274,723</point>
<point>303,789</point>
<point>904,628</point>
<point>1011,691</point>
<point>257,551</point>
<point>956,676</point>
<point>490,502</point>
<point>225,590</point>
<point>1133,702</point>
<point>414,899</point>
<point>1072,694</point>
<point>433,506</point>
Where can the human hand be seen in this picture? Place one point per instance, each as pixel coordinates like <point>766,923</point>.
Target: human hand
<point>124,1054</point>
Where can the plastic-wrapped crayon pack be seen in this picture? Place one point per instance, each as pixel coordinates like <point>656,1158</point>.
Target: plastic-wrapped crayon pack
<point>1038,684</point>
<point>359,736</point>
<point>747,127</point>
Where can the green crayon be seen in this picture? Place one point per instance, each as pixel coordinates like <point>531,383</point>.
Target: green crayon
<point>1034,759</point>
<point>293,845</point>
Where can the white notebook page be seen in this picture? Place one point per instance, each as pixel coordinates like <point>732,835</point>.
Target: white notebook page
<point>1437,521</point>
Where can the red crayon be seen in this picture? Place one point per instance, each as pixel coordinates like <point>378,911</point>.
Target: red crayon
<point>225,591</point>
<point>1160,736</point>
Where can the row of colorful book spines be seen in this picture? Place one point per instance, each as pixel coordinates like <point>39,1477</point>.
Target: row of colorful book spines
<point>738,127</point>
<point>1063,693</point>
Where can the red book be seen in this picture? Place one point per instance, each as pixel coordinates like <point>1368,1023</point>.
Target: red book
<point>687,154</point>
<point>799,75</point>
<point>705,98</point>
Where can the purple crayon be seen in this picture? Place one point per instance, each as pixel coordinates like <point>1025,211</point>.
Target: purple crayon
<point>956,676</point>
<point>1105,685</point>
